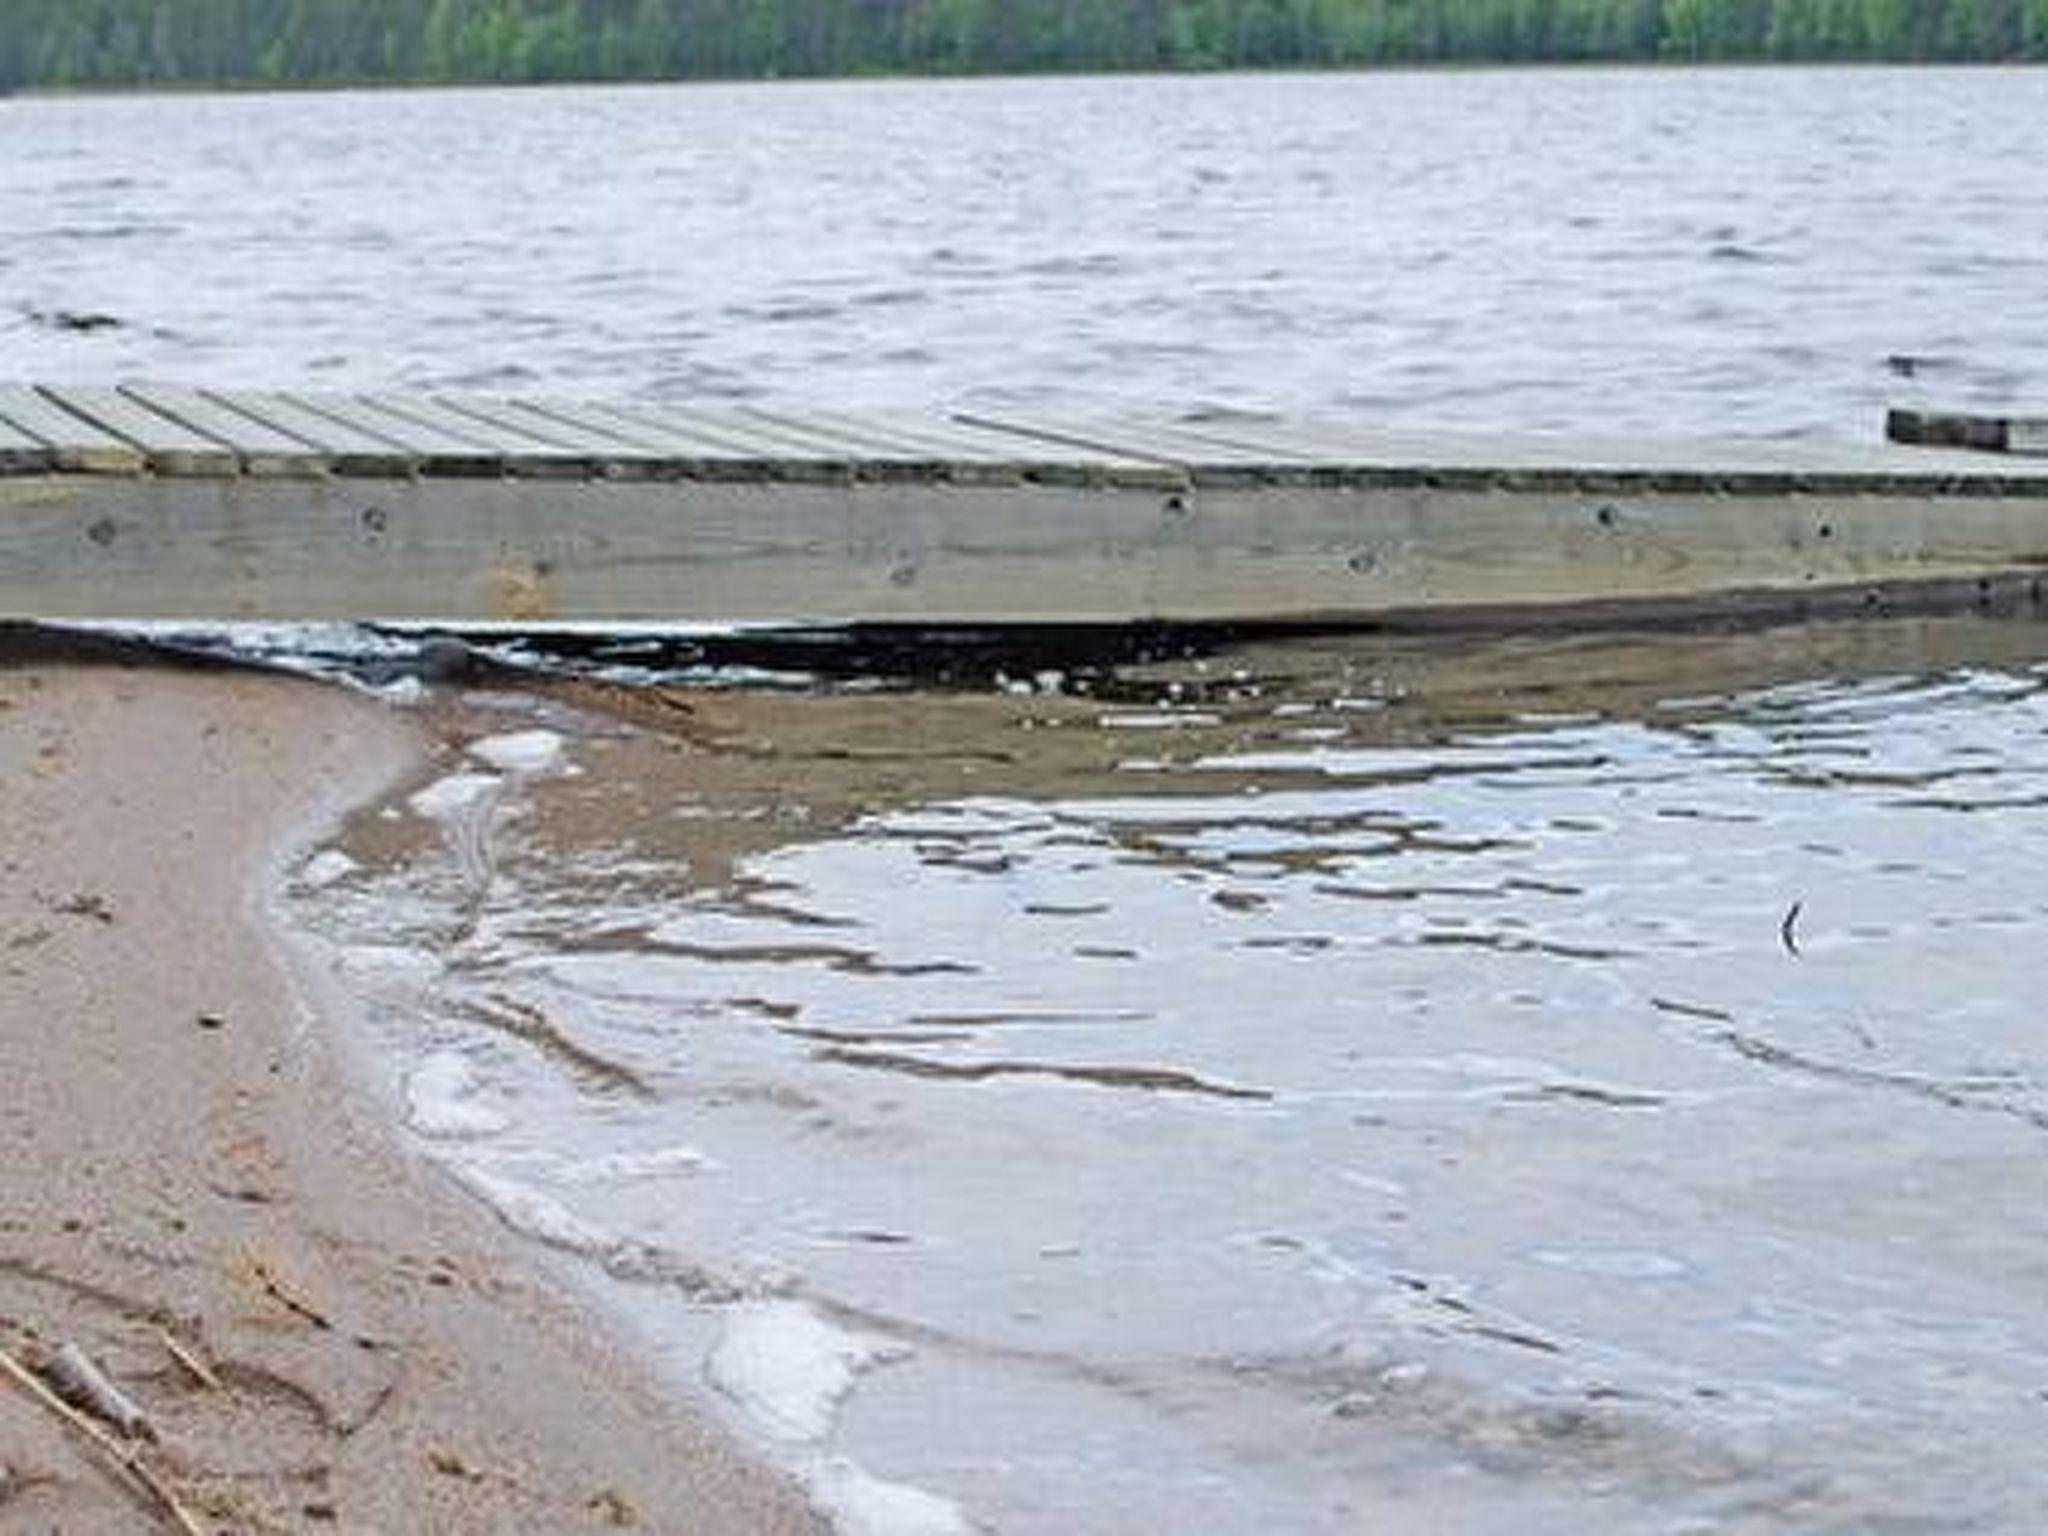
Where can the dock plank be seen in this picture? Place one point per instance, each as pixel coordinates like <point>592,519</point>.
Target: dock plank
<point>171,447</point>
<point>21,454</point>
<point>74,442</point>
<point>261,448</point>
<point>431,450</point>
<point>581,417</point>
<point>690,434</point>
<point>346,450</point>
<point>970,451</point>
<point>1087,438</point>
<point>934,438</point>
<point>696,451</point>
<point>762,438</point>
<point>1190,446</point>
<point>519,451</point>
<point>1340,445</point>
<point>871,449</point>
<point>608,452</point>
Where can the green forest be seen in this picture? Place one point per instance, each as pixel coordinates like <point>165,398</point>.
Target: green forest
<point>81,43</point>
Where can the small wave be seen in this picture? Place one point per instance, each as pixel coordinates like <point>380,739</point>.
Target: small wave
<point>788,1369</point>
<point>861,1504</point>
<point>90,232</point>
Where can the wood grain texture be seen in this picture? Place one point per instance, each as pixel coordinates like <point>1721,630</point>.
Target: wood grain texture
<point>518,451</point>
<point>75,443</point>
<point>21,453</point>
<point>929,553</point>
<point>171,447</point>
<point>341,448</point>
<point>430,450</point>
<point>603,452</point>
<point>259,447</point>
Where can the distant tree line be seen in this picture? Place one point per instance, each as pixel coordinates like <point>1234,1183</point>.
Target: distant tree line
<point>126,42</point>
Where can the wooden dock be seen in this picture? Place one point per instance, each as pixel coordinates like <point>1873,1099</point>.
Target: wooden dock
<point>147,501</point>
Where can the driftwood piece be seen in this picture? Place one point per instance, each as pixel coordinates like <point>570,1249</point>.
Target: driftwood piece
<point>72,1372</point>
<point>126,1459</point>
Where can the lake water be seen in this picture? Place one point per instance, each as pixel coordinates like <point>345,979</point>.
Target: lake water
<point>1536,1084</point>
<point>1497,1086</point>
<point>1674,251</point>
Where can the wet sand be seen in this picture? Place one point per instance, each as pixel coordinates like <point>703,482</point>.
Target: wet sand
<point>324,1336</point>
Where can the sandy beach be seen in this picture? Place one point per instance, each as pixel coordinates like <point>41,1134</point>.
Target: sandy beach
<point>323,1336</point>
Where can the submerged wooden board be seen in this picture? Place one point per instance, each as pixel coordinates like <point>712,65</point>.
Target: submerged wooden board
<point>160,501</point>
<point>1963,429</point>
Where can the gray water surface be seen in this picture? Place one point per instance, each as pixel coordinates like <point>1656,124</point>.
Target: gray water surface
<point>1514,1087</point>
<point>1676,251</point>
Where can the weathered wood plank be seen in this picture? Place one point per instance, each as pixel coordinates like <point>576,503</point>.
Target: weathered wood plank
<point>762,438</point>
<point>936,553</point>
<point>658,437</point>
<point>822,431</point>
<point>1964,429</point>
<point>431,450</point>
<point>1193,448</point>
<point>1085,439</point>
<point>74,443</point>
<point>21,454</point>
<point>719,453</point>
<point>172,447</point>
<point>519,452</point>
<point>1945,429</point>
<point>608,453</point>
<point>347,450</point>
<point>1233,452</point>
<point>261,449</point>
<point>971,451</point>
<point>674,453</point>
<point>932,439</point>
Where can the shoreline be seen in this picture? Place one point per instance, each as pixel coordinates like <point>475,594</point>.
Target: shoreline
<point>31,92</point>
<point>188,1158</point>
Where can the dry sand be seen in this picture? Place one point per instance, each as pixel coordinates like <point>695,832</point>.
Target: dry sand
<point>182,1162</point>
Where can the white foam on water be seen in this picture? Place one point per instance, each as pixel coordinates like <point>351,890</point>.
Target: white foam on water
<point>788,1369</point>
<point>379,973</point>
<point>400,690</point>
<point>535,751</point>
<point>860,1504</point>
<point>453,794</point>
<point>325,868</point>
<point>441,1102</point>
<point>1157,720</point>
<point>657,1162</point>
<point>539,1216</point>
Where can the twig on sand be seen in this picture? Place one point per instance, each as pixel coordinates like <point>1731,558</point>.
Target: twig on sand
<point>268,1282</point>
<point>190,1363</point>
<point>275,1290</point>
<point>128,1458</point>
